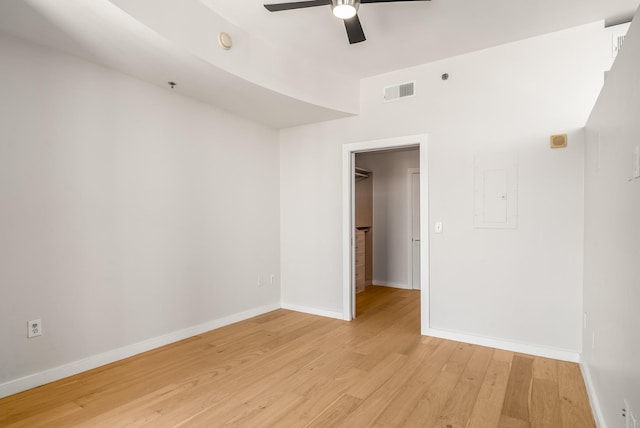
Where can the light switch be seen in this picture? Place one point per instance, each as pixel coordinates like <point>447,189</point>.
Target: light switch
<point>438,227</point>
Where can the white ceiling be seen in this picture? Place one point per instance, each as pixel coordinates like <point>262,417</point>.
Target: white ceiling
<point>100,32</point>
<point>405,34</point>
<point>399,35</point>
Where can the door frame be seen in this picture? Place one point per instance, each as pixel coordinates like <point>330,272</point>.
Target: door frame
<point>348,219</point>
<point>410,172</point>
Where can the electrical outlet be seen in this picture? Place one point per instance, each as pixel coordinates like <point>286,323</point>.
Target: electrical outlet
<point>272,279</point>
<point>34,328</point>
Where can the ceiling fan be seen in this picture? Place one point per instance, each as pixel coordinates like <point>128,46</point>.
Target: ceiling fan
<point>344,9</point>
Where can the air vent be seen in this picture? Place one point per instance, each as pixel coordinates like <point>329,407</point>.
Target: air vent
<point>404,90</point>
<point>616,44</point>
<point>617,34</point>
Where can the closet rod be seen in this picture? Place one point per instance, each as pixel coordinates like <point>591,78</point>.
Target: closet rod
<point>361,172</point>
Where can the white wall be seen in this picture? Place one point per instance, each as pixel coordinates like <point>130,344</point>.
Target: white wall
<point>612,234</point>
<point>521,286</point>
<point>390,214</point>
<point>127,211</point>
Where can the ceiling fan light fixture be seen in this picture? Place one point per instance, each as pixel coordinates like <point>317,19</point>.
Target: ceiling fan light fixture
<point>345,9</point>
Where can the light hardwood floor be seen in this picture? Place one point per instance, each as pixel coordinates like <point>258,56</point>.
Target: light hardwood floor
<point>287,369</point>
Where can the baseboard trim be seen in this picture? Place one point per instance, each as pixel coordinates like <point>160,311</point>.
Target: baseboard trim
<point>56,373</point>
<point>523,348</point>
<point>313,311</point>
<point>391,284</point>
<point>593,396</point>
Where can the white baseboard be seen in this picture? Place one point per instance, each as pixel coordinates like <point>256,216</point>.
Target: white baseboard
<point>313,311</point>
<point>540,351</point>
<point>593,396</point>
<point>31,381</point>
<point>392,284</point>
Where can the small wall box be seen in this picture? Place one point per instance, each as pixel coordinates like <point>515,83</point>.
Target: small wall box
<point>558,141</point>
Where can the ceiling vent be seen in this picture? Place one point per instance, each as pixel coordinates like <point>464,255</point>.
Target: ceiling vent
<point>616,44</point>
<point>617,33</point>
<point>404,90</point>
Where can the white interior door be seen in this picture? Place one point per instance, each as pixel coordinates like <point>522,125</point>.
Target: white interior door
<point>415,230</point>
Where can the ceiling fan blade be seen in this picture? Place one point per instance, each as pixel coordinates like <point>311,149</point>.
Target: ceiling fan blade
<point>387,1</point>
<point>354,30</point>
<point>296,5</point>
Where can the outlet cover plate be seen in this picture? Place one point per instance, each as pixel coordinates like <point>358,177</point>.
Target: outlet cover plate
<point>34,328</point>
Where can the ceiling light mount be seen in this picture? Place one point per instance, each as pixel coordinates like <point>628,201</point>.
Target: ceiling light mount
<point>225,40</point>
<point>345,9</point>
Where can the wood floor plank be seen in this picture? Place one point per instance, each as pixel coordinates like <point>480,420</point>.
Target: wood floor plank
<point>429,407</point>
<point>378,376</point>
<point>488,405</point>
<point>267,413</point>
<point>401,406</point>
<point>263,396</point>
<point>574,402</point>
<point>245,388</point>
<point>335,412</point>
<point>137,411</point>
<point>509,422</point>
<point>322,393</point>
<point>545,368</point>
<point>52,415</point>
<point>458,409</point>
<point>545,404</point>
<point>289,369</point>
<point>375,400</point>
<point>516,401</point>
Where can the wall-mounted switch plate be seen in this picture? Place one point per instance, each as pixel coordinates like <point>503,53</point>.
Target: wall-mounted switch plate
<point>438,227</point>
<point>34,328</point>
<point>272,279</point>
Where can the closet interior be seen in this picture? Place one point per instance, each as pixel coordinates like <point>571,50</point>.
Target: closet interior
<point>364,228</point>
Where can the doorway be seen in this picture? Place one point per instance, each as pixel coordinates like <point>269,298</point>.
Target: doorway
<point>349,152</point>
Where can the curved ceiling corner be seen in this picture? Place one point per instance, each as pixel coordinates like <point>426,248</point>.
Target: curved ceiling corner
<point>101,32</point>
<point>194,25</point>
